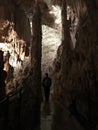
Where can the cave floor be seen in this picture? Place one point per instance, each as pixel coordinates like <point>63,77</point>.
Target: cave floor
<point>47,112</point>
<point>53,117</point>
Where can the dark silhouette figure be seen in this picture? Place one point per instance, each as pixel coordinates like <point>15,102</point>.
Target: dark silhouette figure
<point>46,85</point>
<point>3,76</point>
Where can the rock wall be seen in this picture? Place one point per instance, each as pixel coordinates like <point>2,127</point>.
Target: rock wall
<point>76,79</point>
<point>13,14</point>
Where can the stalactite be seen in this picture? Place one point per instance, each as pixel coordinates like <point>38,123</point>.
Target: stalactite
<point>66,55</point>
<point>32,82</point>
<point>36,56</point>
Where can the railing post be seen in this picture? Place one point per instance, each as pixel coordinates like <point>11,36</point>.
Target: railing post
<point>4,109</point>
<point>7,112</point>
<point>19,107</point>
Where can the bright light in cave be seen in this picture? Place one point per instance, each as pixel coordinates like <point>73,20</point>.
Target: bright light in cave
<point>51,39</point>
<point>13,56</point>
<point>57,13</point>
<point>3,46</point>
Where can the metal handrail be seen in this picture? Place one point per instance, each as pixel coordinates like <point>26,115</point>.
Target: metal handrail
<point>11,94</point>
<point>5,102</point>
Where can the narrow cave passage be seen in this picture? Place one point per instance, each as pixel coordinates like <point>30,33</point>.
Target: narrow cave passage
<point>71,62</point>
<point>51,40</point>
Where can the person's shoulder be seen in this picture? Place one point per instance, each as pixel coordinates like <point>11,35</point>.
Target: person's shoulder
<point>49,78</point>
<point>44,78</point>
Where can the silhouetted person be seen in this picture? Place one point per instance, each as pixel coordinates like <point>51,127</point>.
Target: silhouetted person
<point>3,75</point>
<point>46,85</point>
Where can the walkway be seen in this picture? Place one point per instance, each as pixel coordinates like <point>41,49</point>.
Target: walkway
<point>47,112</point>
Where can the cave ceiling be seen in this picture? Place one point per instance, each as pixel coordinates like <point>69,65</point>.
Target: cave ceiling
<point>17,10</point>
<point>28,4</point>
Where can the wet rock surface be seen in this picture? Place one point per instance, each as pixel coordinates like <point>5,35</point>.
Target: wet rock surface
<point>47,111</point>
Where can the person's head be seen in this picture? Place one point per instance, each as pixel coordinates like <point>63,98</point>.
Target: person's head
<point>46,74</point>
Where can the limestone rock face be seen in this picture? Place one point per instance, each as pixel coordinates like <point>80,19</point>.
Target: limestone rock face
<point>22,26</point>
<point>13,14</point>
<point>78,73</point>
<point>6,15</point>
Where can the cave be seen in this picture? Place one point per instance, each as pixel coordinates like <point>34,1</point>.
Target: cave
<point>54,37</point>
